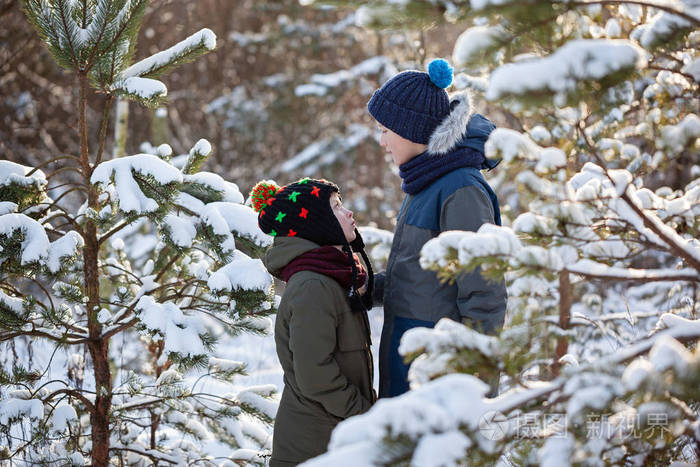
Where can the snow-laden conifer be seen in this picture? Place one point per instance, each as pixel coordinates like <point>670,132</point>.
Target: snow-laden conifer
<point>110,313</point>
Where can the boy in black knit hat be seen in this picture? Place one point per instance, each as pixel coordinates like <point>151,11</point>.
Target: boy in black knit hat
<point>322,332</point>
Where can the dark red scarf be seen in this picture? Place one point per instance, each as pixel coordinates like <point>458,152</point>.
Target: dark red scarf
<point>329,261</point>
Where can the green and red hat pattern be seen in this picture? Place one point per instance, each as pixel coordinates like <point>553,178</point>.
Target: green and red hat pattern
<point>299,209</point>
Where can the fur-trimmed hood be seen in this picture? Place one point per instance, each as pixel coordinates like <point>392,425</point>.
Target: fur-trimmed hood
<point>462,128</point>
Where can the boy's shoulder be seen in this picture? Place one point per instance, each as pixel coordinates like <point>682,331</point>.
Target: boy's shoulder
<point>426,206</point>
<point>452,181</point>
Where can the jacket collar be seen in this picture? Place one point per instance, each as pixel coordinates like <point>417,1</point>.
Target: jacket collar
<point>462,128</point>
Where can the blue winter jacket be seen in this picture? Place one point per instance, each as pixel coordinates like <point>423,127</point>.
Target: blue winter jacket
<point>413,297</point>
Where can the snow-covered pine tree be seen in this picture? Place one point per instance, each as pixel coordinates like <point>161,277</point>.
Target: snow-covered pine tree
<point>601,187</point>
<point>74,281</point>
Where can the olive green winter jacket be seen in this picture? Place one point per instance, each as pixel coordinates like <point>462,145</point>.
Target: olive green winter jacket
<point>324,349</point>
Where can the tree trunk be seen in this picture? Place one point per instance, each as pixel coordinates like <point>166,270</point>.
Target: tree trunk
<point>99,348</point>
<point>564,319</point>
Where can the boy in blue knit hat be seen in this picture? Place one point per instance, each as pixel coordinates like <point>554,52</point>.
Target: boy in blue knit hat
<point>438,145</point>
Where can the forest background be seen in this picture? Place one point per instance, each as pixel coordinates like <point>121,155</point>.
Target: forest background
<point>596,104</point>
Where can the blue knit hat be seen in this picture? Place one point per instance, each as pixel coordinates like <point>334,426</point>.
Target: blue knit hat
<point>413,103</point>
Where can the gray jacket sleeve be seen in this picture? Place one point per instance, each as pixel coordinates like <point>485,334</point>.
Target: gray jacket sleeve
<point>378,295</point>
<point>482,304</point>
<point>312,340</point>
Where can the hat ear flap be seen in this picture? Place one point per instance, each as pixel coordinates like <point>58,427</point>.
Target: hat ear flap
<point>451,130</point>
<point>357,244</point>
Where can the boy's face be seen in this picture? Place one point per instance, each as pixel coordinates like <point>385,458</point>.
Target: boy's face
<point>401,149</point>
<point>344,216</point>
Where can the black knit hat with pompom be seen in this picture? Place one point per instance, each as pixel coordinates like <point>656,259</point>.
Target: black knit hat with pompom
<point>299,209</point>
<point>303,209</point>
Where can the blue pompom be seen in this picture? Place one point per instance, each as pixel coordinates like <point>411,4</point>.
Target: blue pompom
<point>440,73</point>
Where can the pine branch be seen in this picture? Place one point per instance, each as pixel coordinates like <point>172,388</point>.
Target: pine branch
<point>663,7</point>
<point>120,328</point>
<point>116,229</point>
<point>6,336</point>
<point>51,161</point>
<point>155,456</point>
<point>61,170</point>
<point>182,52</point>
<point>655,225</point>
<point>66,215</point>
<point>640,275</point>
<point>166,268</point>
<point>102,16</point>
<point>61,185</point>
<point>688,76</point>
<point>130,25</point>
<point>65,15</point>
<point>113,266</point>
<point>73,393</point>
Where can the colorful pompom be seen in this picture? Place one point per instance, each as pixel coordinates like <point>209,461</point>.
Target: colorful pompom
<point>262,192</point>
<point>440,73</point>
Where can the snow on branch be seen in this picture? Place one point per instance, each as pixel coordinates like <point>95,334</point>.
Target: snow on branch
<point>180,333</point>
<point>594,269</point>
<point>445,335</point>
<point>326,151</point>
<point>457,251</point>
<point>320,84</point>
<point>121,172</point>
<point>7,207</point>
<point>473,41</point>
<point>35,244</point>
<point>243,273</point>
<point>434,348</point>
<point>510,144</point>
<point>180,229</point>
<point>664,24</point>
<point>489,241</point>
<point>373,235</point>
<point>13,173</point>
<point>65,247</point>
<point>14,304</point>
<point>14,409</point>
<point>578,60</point>
<point>225,219</point>
<point>229,191</point>
<point>257,399</point>
<point>184,51</point>
<point>197,155</point>
<point>677,137</point>
<point>140,88</point>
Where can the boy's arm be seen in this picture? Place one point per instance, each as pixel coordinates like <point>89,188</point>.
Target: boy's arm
<point>312,340</point>
<point>482,304</point>
<point>378,295</point>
